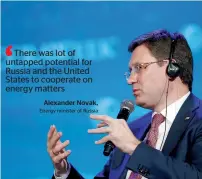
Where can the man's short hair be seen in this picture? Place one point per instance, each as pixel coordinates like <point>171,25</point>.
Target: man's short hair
<point>159,44</point>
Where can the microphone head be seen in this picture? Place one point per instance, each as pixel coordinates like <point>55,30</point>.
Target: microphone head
<point>128,104</point>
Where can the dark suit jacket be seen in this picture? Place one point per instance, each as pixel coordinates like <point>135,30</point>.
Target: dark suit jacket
<point>180,158</point>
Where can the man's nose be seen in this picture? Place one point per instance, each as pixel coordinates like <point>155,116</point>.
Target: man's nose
<point>132,78</point>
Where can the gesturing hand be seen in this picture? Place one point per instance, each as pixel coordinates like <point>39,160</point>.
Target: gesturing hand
<point>56,150</point>
<point>118,132</point>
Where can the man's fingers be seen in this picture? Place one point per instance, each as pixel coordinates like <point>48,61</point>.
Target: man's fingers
<point>58,142</point>
<point>104,118</point>
<point>51,136</point>
<point>99,130</point>
<point>54,140</point>
<point>58,158</point>
<point>103,140</point>
<point>102,124</point>
<point>60,147</point>
<point>51,132</point>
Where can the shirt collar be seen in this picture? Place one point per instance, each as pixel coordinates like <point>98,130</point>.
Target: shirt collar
<point>173,109</point>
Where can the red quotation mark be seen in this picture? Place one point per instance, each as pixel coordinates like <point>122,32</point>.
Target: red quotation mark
<point>8,50</point>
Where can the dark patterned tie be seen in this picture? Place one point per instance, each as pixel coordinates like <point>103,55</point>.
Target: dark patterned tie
<point>152,137</point>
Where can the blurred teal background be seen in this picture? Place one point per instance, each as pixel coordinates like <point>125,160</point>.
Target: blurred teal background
<point>99,31</point>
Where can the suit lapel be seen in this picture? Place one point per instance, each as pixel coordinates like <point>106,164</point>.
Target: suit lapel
<point>141,126</point>
<point>183,118</point>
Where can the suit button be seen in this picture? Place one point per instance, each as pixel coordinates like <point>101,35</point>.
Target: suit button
<point>141,170</point>
<point>144,171</point>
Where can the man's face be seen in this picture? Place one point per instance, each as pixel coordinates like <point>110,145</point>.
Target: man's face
<point>149,83</point>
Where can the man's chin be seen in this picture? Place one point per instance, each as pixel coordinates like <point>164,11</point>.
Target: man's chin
<point>141,103</point>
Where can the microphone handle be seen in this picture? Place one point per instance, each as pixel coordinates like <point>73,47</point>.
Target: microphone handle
<point>109,146</point>
<point>123,114</point>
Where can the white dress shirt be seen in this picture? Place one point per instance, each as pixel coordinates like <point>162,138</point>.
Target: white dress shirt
<point>64,176</point>
<point>172,111</point>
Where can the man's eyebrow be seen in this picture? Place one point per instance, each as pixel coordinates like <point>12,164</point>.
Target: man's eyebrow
<point>133,64</point>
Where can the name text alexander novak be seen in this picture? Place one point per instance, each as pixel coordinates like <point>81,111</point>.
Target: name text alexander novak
<point>68,102</point>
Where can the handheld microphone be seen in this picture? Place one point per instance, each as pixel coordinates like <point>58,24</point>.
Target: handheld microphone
<point>127,107</point>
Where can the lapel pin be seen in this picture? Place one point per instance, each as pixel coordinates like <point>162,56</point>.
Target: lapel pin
<point>186,118</point>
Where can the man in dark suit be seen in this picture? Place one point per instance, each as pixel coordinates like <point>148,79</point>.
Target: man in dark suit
<point>165,143</point>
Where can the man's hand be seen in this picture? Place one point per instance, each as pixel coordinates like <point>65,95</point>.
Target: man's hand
<point>57,152</point>
<point>118,132</point>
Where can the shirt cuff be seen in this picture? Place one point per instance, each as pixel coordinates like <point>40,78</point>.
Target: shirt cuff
<point>65,175</point>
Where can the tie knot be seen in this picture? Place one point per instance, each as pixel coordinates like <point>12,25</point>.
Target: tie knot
<point>157,120</point>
